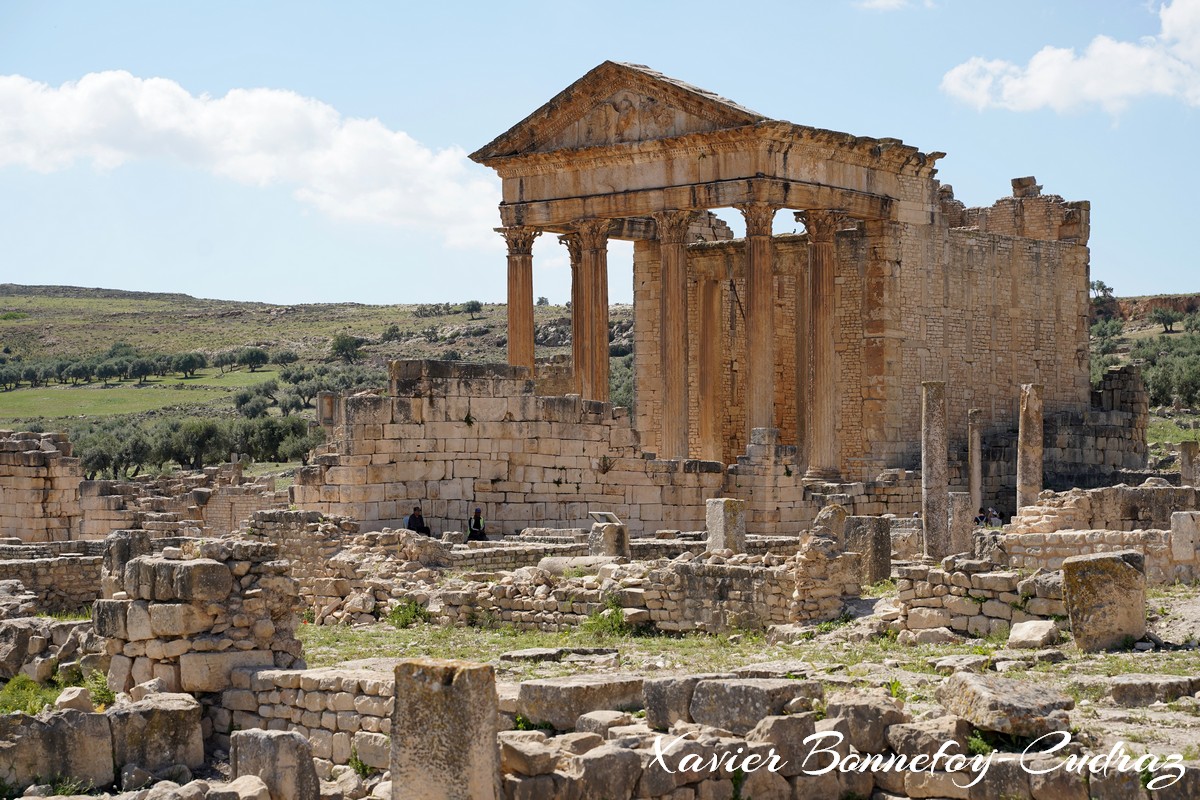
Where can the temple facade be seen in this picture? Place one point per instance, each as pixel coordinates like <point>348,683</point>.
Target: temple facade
<point>787,370</point>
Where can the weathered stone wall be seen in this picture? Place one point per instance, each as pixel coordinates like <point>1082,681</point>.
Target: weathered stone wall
<point>1171,555</point>
<point>1112,508</point>
<point>40,646</point>
<point>452,437</point>
<point>191,614</point>
<point>62,584</point>
<point>981,304</point>
<point>972,598</point>
<point>39,487</point>
<point>208,502</point>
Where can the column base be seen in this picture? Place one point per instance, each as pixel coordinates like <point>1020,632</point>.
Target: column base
<point>823,474</point>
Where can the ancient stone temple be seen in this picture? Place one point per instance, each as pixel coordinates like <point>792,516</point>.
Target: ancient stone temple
<point>798,357</point>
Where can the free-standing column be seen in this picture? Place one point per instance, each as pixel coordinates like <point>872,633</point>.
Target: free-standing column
<point>803,364</point>
<point>934,485</point>
<point>823,452</point>
<point>579,322</point>
<point>1189,459</point>
<point>760,315</point>
<point>673,331</point>
<point>710,375</point>
<point>593,238</point>
<point>520,294</point>
<point>975,459</point>
<point>1029,446</point>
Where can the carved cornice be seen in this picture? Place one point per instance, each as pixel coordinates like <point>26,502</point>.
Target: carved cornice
<point>593,233</point>
<point>519,239</point>
<point>673,225</point>
<point>574,247</point>
<point>821,224</point>
<point>759,217</point>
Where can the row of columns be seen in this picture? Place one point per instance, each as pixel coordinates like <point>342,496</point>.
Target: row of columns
<point>945,514</point>
<point>589,327</point>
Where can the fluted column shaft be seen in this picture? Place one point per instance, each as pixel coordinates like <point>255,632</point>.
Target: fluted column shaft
<point>579,308</point>
<point>673,331</point>
<point>760,315</point>
<point>823,456</point>
<point>593,238</point>
<point>520,294</point>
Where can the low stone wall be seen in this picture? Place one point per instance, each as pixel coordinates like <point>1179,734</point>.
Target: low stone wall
<point>973,598</point>
<point>204,503</point>
<point>1171,555</point>
<point>341,712</point>
<point>192,614</point>
<point>39,487</point>
<point>1112,508</point>
<point>62,584</point>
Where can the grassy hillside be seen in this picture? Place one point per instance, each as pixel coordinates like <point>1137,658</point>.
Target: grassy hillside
<point>39,324</point>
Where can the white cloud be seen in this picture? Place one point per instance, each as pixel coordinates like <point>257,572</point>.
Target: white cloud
<point>1109,73</point>
<point>882,5</point>
<point>347,168</point>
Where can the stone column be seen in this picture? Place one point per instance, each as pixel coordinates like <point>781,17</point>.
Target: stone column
<point>871,538</point>
<point>1188,452</point>
<point>962,523</point>
<point>934,482</point>
<point>673,331</point>
<point>823,456</point>
<point>803,361</point>
<point>975,458</point>
<point>725,519</point>
<point>593,238</point>
<point>710,376</point>
<point>1029,446</point>
<point>520,294</point>
<point>444,726</point>
<point>579,308</point>
<point>760,315</point>
<point>609,539</point>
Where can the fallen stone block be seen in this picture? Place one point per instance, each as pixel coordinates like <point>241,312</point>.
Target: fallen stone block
<point>1004,705</point>
<point>70,743</point>
<point>868,713</point>
<point>247,787</point>
<point>282,759</point>
<point>668,700</point>
<point>1033,634</point>
<point>561,701</point>
<point>1133,690</point>
<point>737,704</point>
<point>158,732</point>
<point>1105,595</point>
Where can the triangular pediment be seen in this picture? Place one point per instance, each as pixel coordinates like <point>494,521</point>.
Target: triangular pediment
<point>618,104</point>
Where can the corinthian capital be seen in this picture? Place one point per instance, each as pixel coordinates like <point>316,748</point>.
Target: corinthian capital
<point>759,217</point>
<point>821,224</point>
<point>673,225</point>
<point>574,247</point>
<point>519,239</point>
<point>593,233</point>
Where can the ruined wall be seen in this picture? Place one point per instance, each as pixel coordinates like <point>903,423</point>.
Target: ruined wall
<point>39,487</point>
<point>981,304</point>
<point>973,598</point>
<point>191,614</point>
<point>65,583</point>
<point>1112,508</point>
<point>208,502</point>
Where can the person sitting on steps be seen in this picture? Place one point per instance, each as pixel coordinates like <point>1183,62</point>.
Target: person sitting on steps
<point>416,523</point>
<point>477,527</point>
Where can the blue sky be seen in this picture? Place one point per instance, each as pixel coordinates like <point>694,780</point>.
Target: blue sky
<point>316,152</point>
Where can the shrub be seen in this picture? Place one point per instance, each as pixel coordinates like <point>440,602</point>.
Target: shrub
<point>407,613</point>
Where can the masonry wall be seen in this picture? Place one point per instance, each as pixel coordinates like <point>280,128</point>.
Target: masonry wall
<point>66,583</point>
<point>39,494</point>
<point>208,502</point>
<point>981,304</point>
<point>453,437</point>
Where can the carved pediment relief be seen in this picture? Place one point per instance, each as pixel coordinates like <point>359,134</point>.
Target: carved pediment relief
<point>615,104</point>
<point>626,116</point>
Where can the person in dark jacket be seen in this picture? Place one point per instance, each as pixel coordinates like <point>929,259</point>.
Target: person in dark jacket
<point>477,527</point>
<point>416,523</point>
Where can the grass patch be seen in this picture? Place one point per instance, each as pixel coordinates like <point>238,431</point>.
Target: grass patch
<point>883,588</point>
<point>408,613</point>
<point>25,695</point>
<point>1162,431</point>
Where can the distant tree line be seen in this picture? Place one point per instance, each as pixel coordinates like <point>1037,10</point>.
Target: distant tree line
<point>124,448</point>
<point>123,362</point>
